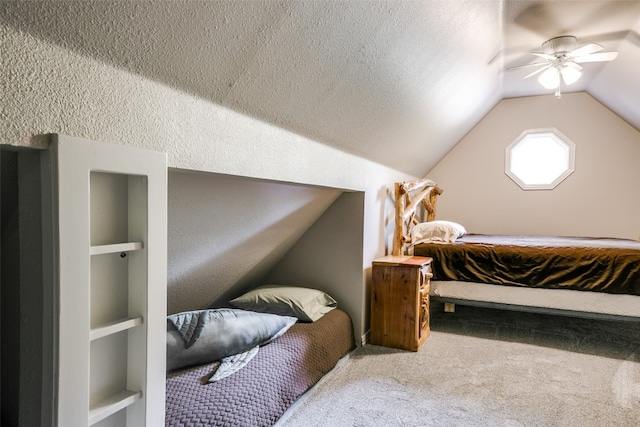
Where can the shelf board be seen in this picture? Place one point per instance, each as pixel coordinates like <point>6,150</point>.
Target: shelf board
<point>115,248</point>
<point>114,327</point>
<point>113,404</point>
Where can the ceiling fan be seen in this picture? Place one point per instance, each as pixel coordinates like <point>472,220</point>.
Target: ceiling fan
<point>562,58</point>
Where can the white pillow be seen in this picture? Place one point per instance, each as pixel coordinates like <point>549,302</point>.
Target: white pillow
<point>436,232</point>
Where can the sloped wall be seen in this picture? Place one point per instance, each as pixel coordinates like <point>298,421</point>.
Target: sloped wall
<point>47,89</point>
<point>226,233</point>
<point>599,199</point>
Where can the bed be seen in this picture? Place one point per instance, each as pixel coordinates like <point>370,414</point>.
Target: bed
<point>578,276</point>
<point>259,393</point>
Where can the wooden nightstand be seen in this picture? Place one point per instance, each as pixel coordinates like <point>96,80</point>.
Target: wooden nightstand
<point>400,301</point>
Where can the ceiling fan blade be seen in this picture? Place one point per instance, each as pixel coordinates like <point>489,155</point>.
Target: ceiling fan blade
<point>544,55</point>
<point>535,64</point>
<point>597,57</point>
<point>537,71</point>
<point>586,50</point>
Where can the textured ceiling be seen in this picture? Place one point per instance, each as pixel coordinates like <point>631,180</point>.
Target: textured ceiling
<point>397,82</point>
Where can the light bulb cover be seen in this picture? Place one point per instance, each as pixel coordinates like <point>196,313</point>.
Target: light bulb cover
<point>550,79</point>
<point>570,75</point>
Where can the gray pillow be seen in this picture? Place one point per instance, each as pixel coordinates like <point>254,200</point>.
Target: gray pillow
<point>204,336</point>
<point>306,304</point>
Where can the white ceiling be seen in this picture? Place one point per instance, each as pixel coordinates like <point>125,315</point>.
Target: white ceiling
<point>397,82</point>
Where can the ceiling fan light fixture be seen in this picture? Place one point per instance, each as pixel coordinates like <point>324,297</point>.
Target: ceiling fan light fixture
<point>570,75</point>
<point>550,79</point>
<point>562,58</point>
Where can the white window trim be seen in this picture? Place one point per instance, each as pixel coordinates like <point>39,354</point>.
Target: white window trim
<point>555,133</point>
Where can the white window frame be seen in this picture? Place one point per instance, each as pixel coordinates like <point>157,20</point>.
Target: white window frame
<point>558,137</point>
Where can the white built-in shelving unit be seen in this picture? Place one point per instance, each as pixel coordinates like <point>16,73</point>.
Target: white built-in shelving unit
<point>111,204</point>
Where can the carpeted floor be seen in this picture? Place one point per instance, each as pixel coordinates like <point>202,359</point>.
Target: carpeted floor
<point>483,367</point>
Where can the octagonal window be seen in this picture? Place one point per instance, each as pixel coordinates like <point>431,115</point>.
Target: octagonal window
<point>540,159</point>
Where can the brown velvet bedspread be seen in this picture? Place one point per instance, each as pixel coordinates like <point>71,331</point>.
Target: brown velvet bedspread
<point>258,394</point>
<point>590,264</point>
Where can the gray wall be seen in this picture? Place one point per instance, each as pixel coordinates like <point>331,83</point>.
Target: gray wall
<point>10,289</point>
<point>26,290</point>
<point>329,257</point>
<point>598,199</point>
<point>227,232</point>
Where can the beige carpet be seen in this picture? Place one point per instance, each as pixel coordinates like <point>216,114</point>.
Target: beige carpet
<point>485,367</point>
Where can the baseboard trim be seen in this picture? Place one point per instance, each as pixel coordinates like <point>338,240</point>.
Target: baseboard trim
<point>365,337</point>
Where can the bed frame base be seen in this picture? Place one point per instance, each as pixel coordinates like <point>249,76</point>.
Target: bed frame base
<point>450,303</point>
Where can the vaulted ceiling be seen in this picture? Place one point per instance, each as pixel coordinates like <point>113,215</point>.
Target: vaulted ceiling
<point>397,82</point>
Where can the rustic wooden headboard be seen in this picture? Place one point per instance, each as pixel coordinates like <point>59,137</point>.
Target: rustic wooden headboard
<point>408,196</point>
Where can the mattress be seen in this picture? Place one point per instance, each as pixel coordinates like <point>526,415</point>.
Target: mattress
<point>258,394</point>
<point>555,299</point>
<point>587,264</point>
